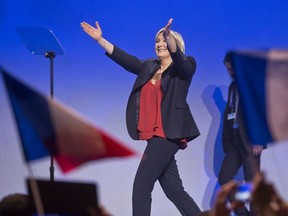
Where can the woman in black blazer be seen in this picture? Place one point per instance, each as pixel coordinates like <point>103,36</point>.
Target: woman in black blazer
<point>158,112</point>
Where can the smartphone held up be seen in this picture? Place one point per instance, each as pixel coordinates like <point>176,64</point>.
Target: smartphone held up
<point>243,192</point>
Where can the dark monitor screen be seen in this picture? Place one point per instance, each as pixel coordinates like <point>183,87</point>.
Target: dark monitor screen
<point>64,198</point>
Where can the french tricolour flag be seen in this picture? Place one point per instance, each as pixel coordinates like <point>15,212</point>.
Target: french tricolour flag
<point>48,127</point>
<point>262,79</point>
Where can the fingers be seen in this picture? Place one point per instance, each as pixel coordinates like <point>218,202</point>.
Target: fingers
<point>168,26</point>
<point>220,207</point>
<point>86,27</point>
<point>258,178</point>
<point>225,190</point>
<point>257,150</point>
<point>97,25</point>
<point>170,22</point>
<point>236,205</point>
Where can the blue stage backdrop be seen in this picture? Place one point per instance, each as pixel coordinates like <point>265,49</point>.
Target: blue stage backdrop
<point>87,81</point>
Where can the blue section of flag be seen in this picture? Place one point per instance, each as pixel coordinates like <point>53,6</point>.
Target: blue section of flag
<point>250,75</point>
<point>32,117</point>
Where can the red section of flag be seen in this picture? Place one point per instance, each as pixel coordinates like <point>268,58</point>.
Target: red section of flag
<point>78,141</point>
<point>113,149</point>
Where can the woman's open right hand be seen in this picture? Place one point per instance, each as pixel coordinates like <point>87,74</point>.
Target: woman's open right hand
<point>94,32</point>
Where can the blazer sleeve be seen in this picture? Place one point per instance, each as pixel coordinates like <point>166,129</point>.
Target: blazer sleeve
<point>185,65</point>
<point>128,62</point>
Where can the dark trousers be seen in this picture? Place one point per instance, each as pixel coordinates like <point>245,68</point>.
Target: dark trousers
<point>158,163</point>
<point>234,158</point>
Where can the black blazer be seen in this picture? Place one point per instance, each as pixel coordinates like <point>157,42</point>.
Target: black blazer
<point>178,122</point>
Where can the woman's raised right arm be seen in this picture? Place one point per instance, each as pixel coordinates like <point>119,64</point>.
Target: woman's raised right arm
<point>96,34</point>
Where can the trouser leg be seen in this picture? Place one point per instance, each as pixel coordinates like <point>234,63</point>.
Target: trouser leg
<point>171,184</point>
<point>229,168</point>
<point>251,165</point>
<point>156,157</point>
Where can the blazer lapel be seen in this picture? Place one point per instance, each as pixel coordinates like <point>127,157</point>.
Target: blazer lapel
<point>166,78</point>
<point>144,76</point>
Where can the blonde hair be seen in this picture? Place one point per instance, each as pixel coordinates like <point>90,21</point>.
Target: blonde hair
<point>178,38</point>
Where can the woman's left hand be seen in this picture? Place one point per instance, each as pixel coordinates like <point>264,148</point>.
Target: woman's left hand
<point>167,28</point>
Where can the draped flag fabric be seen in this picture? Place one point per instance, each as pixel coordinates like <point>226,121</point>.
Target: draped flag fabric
<point>262,79</point>
<point>48,127</point>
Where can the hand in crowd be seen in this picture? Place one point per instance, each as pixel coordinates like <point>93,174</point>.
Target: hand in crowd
<point>265,198</point>
<point>220,207</point>
<point>99,211</point>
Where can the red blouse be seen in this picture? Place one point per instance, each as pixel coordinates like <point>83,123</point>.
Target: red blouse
<point>150,119</point>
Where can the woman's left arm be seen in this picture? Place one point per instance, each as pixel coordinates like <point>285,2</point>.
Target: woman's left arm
<point>171,43</point>
<point>186,65</point>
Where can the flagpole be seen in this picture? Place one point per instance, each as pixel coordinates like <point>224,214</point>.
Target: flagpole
<point>51,56</point>
<point>36,193</point>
